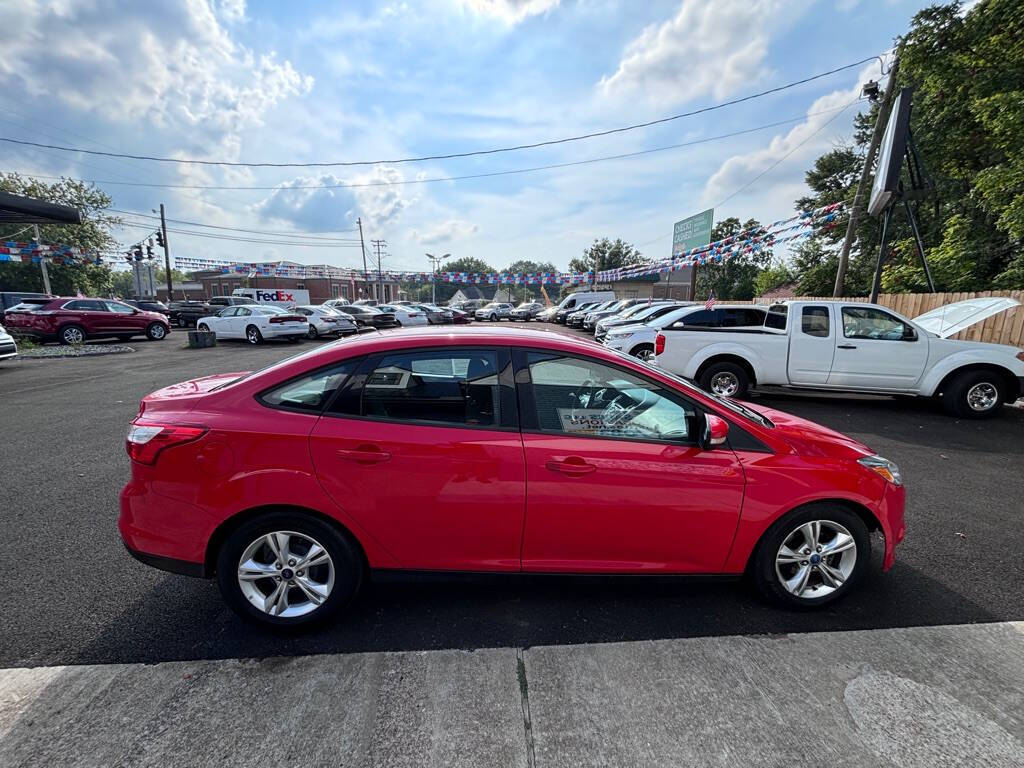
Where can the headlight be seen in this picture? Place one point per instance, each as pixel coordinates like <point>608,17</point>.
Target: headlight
<point>882,466</point>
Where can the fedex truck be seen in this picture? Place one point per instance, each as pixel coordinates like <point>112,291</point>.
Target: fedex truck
<point>279,297</point>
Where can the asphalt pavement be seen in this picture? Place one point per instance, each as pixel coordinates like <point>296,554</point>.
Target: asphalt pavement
<point>72,594</point>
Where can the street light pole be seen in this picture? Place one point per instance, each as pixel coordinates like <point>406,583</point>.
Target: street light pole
<point>42,260</point>
<point>434,261</point>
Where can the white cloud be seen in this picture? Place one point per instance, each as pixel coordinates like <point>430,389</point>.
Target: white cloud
<point>510,11</point>
<point>799,146</point>
<point>445,232</point>
<point>166,66</point>
<point>323,209</point>
<point>707,48</point>
<point>231,10</point>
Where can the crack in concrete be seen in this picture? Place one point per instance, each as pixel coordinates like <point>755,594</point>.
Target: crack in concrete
<point>524,700</point>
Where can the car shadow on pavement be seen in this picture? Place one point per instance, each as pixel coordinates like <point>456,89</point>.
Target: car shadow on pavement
<point>183,619</point>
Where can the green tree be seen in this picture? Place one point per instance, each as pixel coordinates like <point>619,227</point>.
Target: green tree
<point>606,254</point>
<point>92,235</point>
<point>446,290</point>
<point>772,277</point>
<point>815,268</point>
<point>967,72</point>
<point>736,277</point>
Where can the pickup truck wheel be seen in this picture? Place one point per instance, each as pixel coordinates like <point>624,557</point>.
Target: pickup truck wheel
<point>974,395</point>
<point>811,556</point>
<point>725,380</point>
<point>644,352</point>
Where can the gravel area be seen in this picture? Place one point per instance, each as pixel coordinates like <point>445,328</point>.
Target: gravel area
<point>85,350</point>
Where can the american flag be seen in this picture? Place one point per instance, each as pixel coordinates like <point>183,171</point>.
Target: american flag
<point>710,303</point>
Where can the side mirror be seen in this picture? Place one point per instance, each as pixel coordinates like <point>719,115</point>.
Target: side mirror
<point>716,430</point>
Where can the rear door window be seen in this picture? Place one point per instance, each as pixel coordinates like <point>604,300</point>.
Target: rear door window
<point>814,321</point>
<point>440,387</point>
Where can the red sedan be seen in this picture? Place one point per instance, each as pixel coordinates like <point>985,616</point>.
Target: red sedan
<point>475,450</point>
<point>72,320</point>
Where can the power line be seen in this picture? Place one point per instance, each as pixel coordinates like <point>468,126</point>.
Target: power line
<point>250,231</point>
<point>233,238</point>
<point>778,162</point>
<point>429,180</point>
<point>449,156</point>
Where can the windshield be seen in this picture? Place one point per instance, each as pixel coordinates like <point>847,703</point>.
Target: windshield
<point>726,403</point>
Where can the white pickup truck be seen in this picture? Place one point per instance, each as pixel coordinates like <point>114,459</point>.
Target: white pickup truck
<point>854,347</point>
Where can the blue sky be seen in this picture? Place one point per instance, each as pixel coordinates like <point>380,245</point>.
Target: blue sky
<point>307,81</point>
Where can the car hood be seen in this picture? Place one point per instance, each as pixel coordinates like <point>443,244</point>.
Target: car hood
<point>808,438</point>
<point>627,328</point>
<point>949,319</point>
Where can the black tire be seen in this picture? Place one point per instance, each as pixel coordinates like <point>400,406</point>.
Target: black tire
<point>643,351</point>
<point>348,562</point>
<point>156,332</point>
<point>763,567</point>
<point>313,332</point>
<point>203,327</point>
<point>716,374</point>
<point>72,334</point>
<point>253,335</point>
<point>978,387</point>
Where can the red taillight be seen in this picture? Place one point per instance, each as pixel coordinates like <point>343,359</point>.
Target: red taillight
<point>146,441</point>
<point>286,318</point>
<point>659,344</point>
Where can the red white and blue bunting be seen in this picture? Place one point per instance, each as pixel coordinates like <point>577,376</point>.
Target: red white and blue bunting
<point>52,252</point>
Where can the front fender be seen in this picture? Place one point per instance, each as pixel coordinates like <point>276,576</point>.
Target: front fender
<point>725,348</point>
<point>994,354</point>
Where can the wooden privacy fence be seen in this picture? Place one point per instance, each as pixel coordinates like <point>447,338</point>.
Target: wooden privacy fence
<point>1005,328</point>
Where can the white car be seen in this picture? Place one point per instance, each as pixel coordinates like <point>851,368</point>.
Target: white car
<point>850,346</point>
<point>8,349</point>
<point>638,339</point>
<point>406,316</point>
<point>254,323</point>
<point>325,321</point>
<point>494,311</point>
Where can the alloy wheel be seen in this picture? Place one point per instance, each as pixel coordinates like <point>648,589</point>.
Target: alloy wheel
<point>286,574</point>
<point>725,384</point>
<point>816,559</point>
<point>73,335</point>
<point>158,332</point>
<point>982,396</point>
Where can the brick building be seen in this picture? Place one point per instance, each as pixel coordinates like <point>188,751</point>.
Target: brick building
<point>341,283</point>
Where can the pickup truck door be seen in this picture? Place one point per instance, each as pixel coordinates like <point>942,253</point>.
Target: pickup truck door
<point>812,344</point>
<point>876,350</point>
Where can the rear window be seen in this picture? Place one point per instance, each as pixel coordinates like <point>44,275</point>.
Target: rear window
<point>267,310</point>
<point>775,320</point>
<point>741,317</point>
<point>310,392</point>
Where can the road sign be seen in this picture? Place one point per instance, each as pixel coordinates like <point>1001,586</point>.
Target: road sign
<point>690,233</point>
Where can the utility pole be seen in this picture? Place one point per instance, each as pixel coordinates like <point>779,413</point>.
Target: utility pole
<point>869,161</point>
<point>434,261</point>
<point>362,246</point>
<point>167,253</point>
<point>42,260</point>
<point>378,246</point>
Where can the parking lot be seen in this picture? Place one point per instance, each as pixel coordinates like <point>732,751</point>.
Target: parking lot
<point>75,596</point>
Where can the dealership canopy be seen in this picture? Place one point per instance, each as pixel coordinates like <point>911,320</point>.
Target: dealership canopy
<point>15,209</point>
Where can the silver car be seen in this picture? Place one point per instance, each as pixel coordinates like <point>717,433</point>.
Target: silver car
<point>528,310</point>
<point>8,349</point>
<point>495,311</point>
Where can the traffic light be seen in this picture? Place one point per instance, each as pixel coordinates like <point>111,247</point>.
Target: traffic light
<point>160,239</point>
<point>149,250</point>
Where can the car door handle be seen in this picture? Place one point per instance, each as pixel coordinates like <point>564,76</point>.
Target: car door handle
<point>571,467</point>
<point>364,455</point>
<point>846,346</point>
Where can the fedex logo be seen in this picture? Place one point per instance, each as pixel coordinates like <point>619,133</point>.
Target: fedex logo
<point>274,296</point>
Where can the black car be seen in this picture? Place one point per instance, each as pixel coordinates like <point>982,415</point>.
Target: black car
<point>368,317</point>
<point>562,314</point>
<point>149,305</point>
<point>185,313</point>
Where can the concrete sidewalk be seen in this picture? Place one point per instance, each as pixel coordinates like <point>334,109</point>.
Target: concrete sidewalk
<point>931,696</point>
